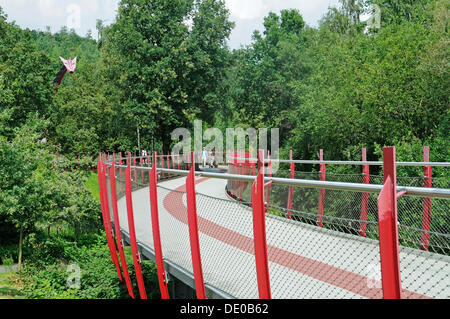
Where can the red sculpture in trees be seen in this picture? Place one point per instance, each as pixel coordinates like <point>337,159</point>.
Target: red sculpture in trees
<point>68,65</point>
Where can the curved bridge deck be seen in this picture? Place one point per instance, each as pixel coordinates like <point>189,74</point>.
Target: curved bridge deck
<point>304,261</point>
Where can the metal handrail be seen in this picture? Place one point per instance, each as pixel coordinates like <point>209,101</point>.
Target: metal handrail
<point>313,162</point>
<point>370,163</point>
<point>442,193</point>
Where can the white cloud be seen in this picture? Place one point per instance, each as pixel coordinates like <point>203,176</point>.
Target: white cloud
<point>254,9</point>
<point>247,14</point>
<point>49,9</point>
<point>10,2</point>
<point>247,10</point>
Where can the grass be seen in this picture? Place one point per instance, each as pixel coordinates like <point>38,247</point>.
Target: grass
<point>10,285</point>
<point>92,185</point>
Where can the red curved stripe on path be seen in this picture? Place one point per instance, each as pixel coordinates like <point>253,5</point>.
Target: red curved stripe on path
<point>356,283</point>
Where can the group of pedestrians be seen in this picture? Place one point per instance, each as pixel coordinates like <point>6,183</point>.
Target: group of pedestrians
<point>208,158</point>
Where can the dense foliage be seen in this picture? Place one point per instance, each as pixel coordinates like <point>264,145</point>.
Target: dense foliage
<point>164,63</point>
<point>340,88</point>
<point>169,70</point>
<point>48,270</point>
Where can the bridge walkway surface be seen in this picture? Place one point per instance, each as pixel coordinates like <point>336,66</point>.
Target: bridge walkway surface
<point>305,261</point>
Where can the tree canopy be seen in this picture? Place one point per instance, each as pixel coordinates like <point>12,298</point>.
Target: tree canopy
<point>163,64</point>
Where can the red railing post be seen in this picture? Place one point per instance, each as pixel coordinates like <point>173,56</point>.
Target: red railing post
<point>134,170</point>
<point>236,171</point>
<point>231,171</point>
<point>120,175</point>
<point>365,196</point>
<point>141,161</point>
<point>106,217</point>
<point>173,160</point>
<point>168,165</point>
<point>322,191</point>
<point>162,278</point>
<point>426,202</point>
<point>193,232</point>
<point>259,231</point>
<point>253,168</point>
<point>269,173</point>
<point>132,231</point>
<point>291,188</point>
<point>388,228</point>
<point>118,231</point>
<point>162,165</point>
<point>240,170</point>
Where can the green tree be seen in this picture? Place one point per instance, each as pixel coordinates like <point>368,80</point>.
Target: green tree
<point>34,192</point>
<point>169,69</point>
<point>25,76</point>
<point>264,73</point>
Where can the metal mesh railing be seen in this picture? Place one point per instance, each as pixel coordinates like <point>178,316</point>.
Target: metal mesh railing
<point>320,262</point>
<point>226,240</point>
<point>305,261</point>
<point>226,244</point>
<point>348,266</point>
<point>333,253</point>
<point>349,206</point>
<point>173,225</point>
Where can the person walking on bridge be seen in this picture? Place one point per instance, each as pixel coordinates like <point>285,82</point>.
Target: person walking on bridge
<point>204,156</point>
<point>144,157</point>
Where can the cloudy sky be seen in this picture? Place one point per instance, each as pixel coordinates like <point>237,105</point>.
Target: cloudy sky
<point>81,15</point>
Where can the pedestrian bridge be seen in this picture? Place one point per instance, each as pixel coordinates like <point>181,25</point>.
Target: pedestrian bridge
<point>232,232</point>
